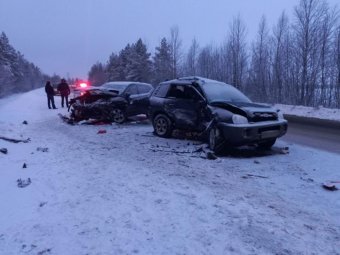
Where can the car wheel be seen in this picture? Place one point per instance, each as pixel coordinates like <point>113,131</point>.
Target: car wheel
<point>118,115</point>
<point>162,125</point>
<point>216,140</point>
<point>267,144</point>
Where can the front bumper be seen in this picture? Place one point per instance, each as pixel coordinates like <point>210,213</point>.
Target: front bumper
<point>242,134</point>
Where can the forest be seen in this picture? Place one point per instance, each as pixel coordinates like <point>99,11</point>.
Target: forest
<point>295,61</point>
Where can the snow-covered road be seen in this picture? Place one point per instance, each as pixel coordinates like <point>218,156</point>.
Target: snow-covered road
<point>129,192</point>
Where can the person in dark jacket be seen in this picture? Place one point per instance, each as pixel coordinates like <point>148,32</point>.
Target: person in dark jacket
<point>64,90</point>
<point>50,95</point>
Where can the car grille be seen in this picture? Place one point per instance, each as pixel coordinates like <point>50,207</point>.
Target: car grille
<point>263,116</point>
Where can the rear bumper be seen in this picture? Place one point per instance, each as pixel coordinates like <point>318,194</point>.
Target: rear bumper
<point>242,134</point>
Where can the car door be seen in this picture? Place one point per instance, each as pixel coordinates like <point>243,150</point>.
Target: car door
<point>140,102</point>
<point>183,104</point>
<point>130,93</point>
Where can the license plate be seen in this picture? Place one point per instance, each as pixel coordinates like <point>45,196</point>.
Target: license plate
<point>270,134</point>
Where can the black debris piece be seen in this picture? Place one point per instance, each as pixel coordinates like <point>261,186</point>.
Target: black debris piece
<point>42,149</point>
<point>24,165</point>
<point>4,150</point>
<point>25,122</point>
<point>329,186</point>
<point>15,140</point>
<point>211,156</point>
<point>23,183</point>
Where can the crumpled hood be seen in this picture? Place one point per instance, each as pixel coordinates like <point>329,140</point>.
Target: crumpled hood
<point>246,109</point>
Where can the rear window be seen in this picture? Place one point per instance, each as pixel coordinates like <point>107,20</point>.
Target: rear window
<point>143,88</point>
<point>161,90</point>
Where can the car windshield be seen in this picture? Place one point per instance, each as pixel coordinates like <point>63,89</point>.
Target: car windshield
<point>114,87</point>
<point>223,92</point>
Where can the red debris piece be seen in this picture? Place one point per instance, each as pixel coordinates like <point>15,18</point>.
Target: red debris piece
<point>101,131</point>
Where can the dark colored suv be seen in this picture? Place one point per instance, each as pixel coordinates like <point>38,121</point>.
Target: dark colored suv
<point>225,114</point>
<point>113,101</point>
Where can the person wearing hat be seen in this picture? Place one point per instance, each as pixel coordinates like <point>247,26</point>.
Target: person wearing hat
<point>50,95</point>
<point>64,90</point>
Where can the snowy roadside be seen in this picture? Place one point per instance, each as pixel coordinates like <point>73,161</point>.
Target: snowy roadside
<point>128,192</point>
<point>311,112</point>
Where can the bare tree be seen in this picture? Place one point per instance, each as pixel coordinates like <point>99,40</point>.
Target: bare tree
<point>337,65</point>
<point>280,60</point>
<point>236,46</point>
<point>310,15</point>
<point>191,59</point>
<point>176,50</point>
<point>260,75</point>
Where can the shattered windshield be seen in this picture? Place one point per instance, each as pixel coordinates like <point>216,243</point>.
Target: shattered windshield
<point>119,88</point>
<point>223,92</point>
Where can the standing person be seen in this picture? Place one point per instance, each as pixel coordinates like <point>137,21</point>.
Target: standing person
<point>64,90</point>
<point>50,95</point>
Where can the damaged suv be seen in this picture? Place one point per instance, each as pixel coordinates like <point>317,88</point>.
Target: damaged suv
<point>112,101</point>
<point>223,113</point>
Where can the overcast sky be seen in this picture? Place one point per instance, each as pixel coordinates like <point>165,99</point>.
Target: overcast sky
<point>67,37</point>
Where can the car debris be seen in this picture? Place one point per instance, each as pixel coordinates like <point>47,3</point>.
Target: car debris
<point>25,122</point>
<point>23,183</point>
<point>42,149</point>
<point>24,165</point>
<point>331,185</point>
<point>4,150</point>
<point>12,140</point>
<point>101,131</point>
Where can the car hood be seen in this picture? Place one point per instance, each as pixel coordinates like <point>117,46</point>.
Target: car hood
<point>247,109</point>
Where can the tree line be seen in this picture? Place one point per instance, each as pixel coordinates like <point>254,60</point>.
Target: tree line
<point>16,73</point>
<point>296,61</point>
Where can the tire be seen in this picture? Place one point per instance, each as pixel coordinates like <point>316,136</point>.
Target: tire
<point>162,125</point>
<point>216,140</point>
<point>118,115</point>
<point>267,144</point>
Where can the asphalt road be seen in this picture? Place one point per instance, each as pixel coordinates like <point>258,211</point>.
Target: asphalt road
<point>319,137</point>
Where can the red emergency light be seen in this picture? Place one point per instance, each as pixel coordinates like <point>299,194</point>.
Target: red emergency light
<point>83,85</point>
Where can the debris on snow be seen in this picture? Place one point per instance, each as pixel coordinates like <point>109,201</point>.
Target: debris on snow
<point>12,140</point>
<point>41,204</point>
<point>211,156</point>
<point>256,162</point>
<point>66,119</point>
<point>330,186</point>
<point>42,149</point>
<point>25,122</point>
<point>23,183</point>
<point>284,150</point>
<point>101,131</point>
<point>24,165</point>
<point>254,175</point>
<point>4,150</point>
<point>44,252</point>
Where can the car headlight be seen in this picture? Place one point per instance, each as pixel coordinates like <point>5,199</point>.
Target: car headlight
<point>239,119</point>
<point>280,115</point>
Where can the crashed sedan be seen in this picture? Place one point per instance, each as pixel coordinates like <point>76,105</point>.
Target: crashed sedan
<point>224,114</point>
<point>112,102</point>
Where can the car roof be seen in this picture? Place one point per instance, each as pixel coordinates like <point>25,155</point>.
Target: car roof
<point>191,79</point>
<point>126,83</point>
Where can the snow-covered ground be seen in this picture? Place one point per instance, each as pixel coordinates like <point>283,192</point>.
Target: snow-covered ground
<point>127,191</point>
<point>312,112</point>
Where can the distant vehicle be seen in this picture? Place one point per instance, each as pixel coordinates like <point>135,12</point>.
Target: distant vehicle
<point>223,113</point>
<point>113,101</point>
<point>79,88</point>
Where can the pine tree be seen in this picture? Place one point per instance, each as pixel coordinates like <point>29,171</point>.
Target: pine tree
<point>139,64</point>
<point>162,62</point>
